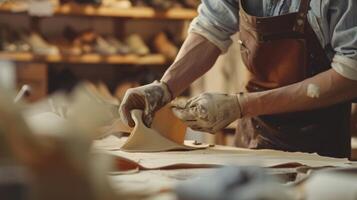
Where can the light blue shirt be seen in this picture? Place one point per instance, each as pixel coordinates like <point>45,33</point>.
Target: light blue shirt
<point>334,22</point>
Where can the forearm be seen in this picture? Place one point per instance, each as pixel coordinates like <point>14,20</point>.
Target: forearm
<point>196,57</point>
<point>333,88</point>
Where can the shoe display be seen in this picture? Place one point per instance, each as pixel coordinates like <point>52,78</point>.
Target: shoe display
<point>161,4</point>
<point>86,40</point>
<point>66,42</point>
<point>177,4</point>
<point>11,42</point>
<point>164,46</point>
<point>69,33</point>
<point>137,45</point>
<point>139,3</point>
<point>66,47</point>
<point>122,4</point>
<point>121,48</point>
<point>21,45</point>
<point>38,44</point>
<point>191,3</point>
<point>167,4</point>
<point>104,47</point>
<point>5,37</point>
<point>88,1</point>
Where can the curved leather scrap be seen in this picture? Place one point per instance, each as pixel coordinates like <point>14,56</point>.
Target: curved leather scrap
<point>144,139</point>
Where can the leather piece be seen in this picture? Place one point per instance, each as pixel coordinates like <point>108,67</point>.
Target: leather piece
<point>144,139</point>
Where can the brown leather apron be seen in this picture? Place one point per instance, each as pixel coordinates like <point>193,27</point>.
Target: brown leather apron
<point>279,51</point>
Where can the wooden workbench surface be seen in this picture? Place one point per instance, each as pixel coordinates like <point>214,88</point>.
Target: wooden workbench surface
<point>160,183</point>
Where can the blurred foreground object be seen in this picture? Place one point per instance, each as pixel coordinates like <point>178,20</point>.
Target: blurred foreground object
<point>243,183</point>
<point>332,185</point>
<point>57,156</point>
<point>7,75</point>
<point>25,90</point>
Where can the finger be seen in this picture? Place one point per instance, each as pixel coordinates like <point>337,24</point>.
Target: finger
<point>124,111</point>
<point>148,114</point>
<point>191,102</point>
<point>125,115</point>
<point>148,119</point>
<point>178,104</point>
<point>199,105</point>
<point>194,102</point>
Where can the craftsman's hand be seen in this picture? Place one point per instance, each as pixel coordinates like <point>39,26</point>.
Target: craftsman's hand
<point>148,98</point>
<point>209,112</point>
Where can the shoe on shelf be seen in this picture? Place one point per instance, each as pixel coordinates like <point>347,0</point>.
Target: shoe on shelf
<point>160,4</point>
<point>5,39</point>
<point>121,48</point>
<point>68,42</point>
<point>139,3</point>
<point>66,47</point>
<point>22,46</point>
<point>38,44</point>
<point>122,4</point>
<point>97,2</point>
<point>104,47</point>
<point>86,40</point>
<point>69,33</point>
<point>164,46</point>
<point>137,45</point>
<point>191,3</point>
<point>176,4</point>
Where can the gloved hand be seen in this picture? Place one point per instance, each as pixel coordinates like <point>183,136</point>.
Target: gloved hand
<point>148,98</point>
<point>209,112</point>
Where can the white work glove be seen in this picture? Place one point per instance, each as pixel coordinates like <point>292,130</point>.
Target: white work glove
<point>148,98</point>
<point>208,112</point>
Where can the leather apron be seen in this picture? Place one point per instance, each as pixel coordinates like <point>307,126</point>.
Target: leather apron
<point>278,51</point>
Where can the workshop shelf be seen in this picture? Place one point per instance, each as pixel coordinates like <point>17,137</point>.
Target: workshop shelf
<point>131,59</point>
<point>72,9</point>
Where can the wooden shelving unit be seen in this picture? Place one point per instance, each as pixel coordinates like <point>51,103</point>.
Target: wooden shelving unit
<point>101,11</point>
<point>33,69</point>
<point>153,59</point>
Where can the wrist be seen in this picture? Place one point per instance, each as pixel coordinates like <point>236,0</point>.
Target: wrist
<point>168,96</point>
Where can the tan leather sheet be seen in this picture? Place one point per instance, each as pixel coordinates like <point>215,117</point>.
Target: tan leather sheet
<point>218,156</point>
<point>144,139</point>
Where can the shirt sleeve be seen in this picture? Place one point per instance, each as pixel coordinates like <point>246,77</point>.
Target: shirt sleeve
<point>343,34</point>
<point>217,20</point>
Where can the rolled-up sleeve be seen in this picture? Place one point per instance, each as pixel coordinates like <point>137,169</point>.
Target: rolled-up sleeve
<point>343,29</point>
<point>217,21</point>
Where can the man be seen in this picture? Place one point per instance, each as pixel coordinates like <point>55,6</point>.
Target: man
<point>302,59</point>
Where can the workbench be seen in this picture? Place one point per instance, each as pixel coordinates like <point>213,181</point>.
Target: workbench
<point>158,181</point>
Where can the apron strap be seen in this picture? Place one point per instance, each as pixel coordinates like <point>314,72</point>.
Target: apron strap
<point>301,18</point>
